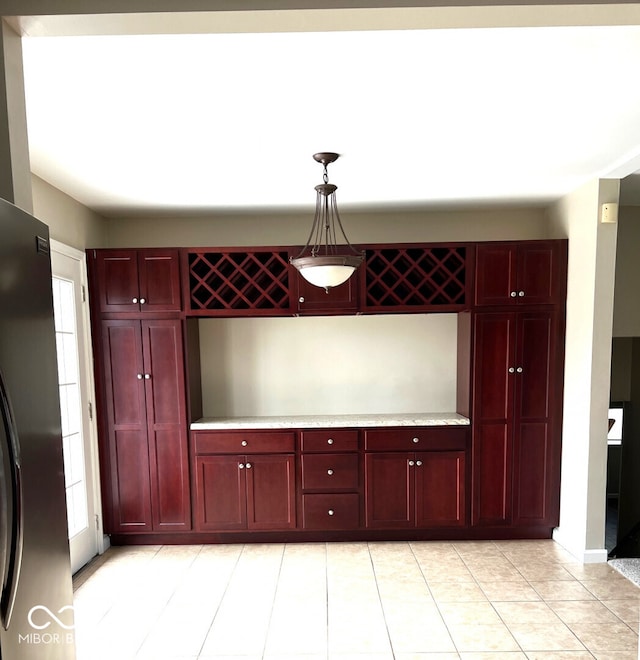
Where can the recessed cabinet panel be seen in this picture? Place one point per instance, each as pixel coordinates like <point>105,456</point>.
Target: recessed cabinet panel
<point>159,280</point>
<point>532,498</point>
<point>221,488</point>
<point>333,440</point>
<point>390,491</point>
<point>440,489</point>
<point>118,280</point>
<point>495,274</point>
<point>131,491</point>
<point>341,299</point>
<point>492,466</point>
<point>271,491</point>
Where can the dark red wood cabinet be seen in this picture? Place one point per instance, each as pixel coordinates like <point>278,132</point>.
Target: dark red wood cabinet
<point>530,272</point>
<point>515,413</point>
<point>330,479</point>
<point>424,489</point>
<point>146,280</point>
<point>250,491</point>
<point>146,443</point>
<point>415,489</point>
<point>343,299</point>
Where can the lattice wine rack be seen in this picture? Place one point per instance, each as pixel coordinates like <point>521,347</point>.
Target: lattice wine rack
<point>239,281</point>
<point>415,277</point>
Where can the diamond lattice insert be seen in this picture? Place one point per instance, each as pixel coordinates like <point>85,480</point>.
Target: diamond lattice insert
<point>415,277</point>
<point>238,280</point>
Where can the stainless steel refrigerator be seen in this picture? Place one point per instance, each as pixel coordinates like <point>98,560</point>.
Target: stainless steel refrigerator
<point>36,606</point>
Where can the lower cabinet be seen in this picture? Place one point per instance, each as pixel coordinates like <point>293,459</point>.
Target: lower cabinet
<point>422,489</point>
<point>252,491</point>
<point>330,479</point>
<point>415,489</point>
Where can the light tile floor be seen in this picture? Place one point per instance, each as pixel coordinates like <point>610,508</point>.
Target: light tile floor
<point>354,601</point>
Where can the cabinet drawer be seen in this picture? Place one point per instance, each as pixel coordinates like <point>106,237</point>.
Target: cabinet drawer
<point>415,438</point>
<point>235,442</point>
<point>331,511</point>
<point>330,471</point>
<point>330,440</point>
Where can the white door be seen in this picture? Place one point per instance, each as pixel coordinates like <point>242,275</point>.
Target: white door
<point>76,388</point>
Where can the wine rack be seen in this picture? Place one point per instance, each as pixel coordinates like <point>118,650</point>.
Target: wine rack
<point>415,278</point>
<point>238,281</point>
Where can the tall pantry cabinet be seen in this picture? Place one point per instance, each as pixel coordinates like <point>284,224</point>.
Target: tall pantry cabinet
<point>143,415</point>
<point>518,331</point>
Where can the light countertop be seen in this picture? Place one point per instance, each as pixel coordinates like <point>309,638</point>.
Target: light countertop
<point>329,421</point>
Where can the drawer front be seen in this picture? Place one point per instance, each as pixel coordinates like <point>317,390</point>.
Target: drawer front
<point>330,440</point>
<point>415,439</point>
<point>237,442</point>
<point>330,471</point>
<point>331,511</point>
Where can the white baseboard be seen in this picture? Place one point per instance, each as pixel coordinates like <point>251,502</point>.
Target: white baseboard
<point>593,556</point>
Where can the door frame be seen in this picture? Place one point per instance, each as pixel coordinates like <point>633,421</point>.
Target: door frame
<point>91,442</point>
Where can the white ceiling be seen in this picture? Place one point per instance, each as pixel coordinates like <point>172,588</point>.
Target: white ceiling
<point>215,122</point>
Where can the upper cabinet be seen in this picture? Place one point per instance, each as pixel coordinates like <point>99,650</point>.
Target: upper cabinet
<point>238,282</point>
<point>146,280</point>
<point>343,299</point>
<point>526,273</point>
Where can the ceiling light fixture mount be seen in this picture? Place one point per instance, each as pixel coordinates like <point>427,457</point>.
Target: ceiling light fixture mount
<point>322,262</point>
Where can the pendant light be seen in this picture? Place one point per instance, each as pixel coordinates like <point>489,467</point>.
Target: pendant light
<point>322,262</point>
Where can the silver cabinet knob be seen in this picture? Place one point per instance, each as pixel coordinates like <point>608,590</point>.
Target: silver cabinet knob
<point>241,465</point>
<point>330,441</point>
<point>330,512</point>
<point>134,301</point>
<point>301,299</point>
<point>329,472</point>
<point>418,463</point>
<point>244,443</point>
<point>411,463</point>
<point>415,440</point>
<point>140,376</point>
<point>248,466</point>
<point>147,376</point>
<point>513,294</point>
<point>142,301</point>
<point>520,294</point>
<point>519,370</point>
<point>512,370</point>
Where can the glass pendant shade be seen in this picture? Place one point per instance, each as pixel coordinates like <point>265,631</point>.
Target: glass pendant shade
<point>322,262</point>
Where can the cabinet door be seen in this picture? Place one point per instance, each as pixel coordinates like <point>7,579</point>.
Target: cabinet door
<point>390,490</point>
<point>167,424</point>
<point>535,480</point>
<point>341,299</point>
<point>221,488</point>
<point>538,280</point>
<point>496,274</point>
<point>440,489</point>
<point>117,280</point>
<point>159,276</point>
<point>128,497</point>
<point>494,379</point>
<point>271,491</point>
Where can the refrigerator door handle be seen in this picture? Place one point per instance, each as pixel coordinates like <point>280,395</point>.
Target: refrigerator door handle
<point>14,533</point>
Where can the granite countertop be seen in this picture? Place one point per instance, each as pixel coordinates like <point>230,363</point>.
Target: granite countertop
<point>329,421</point>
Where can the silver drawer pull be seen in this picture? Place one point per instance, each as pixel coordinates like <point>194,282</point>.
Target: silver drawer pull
<point>411,463</point>
<point>301,299</point>
<point>244,443</point>
<point>512,370</point>
<point>140,376</point>
<point>521,294</point>
<point>248,466</point>
<point>513,294</point>
<point>329,472</point>
<point>415,440</point>
<point>519,370</point>
<point>134,301</point>
<point>330,512</point>
<point>418,463</point>
<point>241,465</point>
<point>330,441</point>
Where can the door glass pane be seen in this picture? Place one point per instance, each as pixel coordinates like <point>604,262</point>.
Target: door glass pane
<point>70,411</point>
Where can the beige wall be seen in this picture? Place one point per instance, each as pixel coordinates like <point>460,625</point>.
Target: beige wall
<point>293,229</point>
<point>592,247</point>
<point>328,365</point>
<point>626,310</point>
<point>69,221</point>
